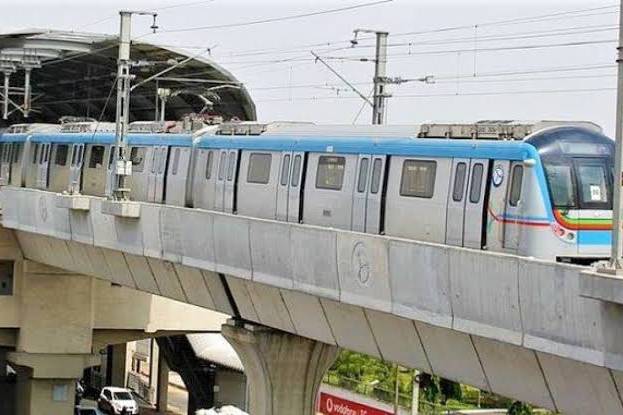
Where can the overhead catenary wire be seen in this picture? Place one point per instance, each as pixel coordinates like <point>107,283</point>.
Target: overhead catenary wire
<point>279,18</point>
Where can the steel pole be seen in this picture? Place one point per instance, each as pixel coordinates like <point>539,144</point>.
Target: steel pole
<point>617,241</point>
<point>120,161</point>
<point>380,77</point>
<point>27,92</point>
<point>5,111</point>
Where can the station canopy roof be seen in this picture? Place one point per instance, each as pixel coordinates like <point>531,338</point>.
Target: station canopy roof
<point>73,74</point>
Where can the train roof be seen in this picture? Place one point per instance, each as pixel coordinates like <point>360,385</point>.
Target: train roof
<point>407,146</point>
<point>177,140</point>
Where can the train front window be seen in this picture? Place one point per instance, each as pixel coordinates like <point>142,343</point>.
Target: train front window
<point>561,187</point>
<point>593,186</point>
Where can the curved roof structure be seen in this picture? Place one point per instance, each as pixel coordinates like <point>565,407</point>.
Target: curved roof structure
<point>73,73</point>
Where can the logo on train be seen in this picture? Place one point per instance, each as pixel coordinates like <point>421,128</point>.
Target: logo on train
<point>360,263</point>
<point>498,175</point>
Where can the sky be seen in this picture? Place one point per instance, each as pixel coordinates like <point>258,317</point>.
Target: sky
<point>504,59</point>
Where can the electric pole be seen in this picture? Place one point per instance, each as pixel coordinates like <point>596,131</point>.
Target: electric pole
<point>380,72</point>
<point>122,165</point>
<point>617,220</point>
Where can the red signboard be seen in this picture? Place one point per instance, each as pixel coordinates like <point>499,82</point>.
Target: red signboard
<point>332,405</point>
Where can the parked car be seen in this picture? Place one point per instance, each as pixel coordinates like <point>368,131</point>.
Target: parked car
<point>117,401</point>
<point>83,410</point>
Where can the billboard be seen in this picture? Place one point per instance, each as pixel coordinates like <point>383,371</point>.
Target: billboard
<point>332,405</point>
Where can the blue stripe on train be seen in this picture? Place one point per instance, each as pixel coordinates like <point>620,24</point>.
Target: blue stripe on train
<point>594,237</point>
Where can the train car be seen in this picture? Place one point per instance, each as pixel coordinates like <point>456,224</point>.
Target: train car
<point>541,189</point>
<point>14,143</point>
<point>538,189</point>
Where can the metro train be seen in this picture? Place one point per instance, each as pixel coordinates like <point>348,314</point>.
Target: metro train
<point>540,189</point>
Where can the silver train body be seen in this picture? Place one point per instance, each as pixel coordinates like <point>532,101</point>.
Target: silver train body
<point>541,189</point>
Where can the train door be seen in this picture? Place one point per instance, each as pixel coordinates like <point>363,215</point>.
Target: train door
<point>456,202</point>
<point>219,194</point>
<point>5,165</point>
<point>16,175</point>
<point>360,194</point>
<point>177,176</point>
<point>75,168</point>
<point>295,190</point>
<point>368,194</point>
<point>155,177</point>
<point>475,204</point>
<point>42,166</point>
<point>513,207</point>
<point>500,179</point>
<point>229,202</point>
<point>283,187</point>
<point>289,187</point>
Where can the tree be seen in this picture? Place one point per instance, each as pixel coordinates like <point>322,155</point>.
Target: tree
<point>519,408</point>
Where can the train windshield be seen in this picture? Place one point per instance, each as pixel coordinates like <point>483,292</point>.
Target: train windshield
<point>578,166</point>
<point>580,182</point>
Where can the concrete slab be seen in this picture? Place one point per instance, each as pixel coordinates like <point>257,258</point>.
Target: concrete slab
<point>233,256</point>
<point>398,340</point>
<point>120,272</point>
<point>350,327</point>
<point>80,257</point>
<point>198,241</point>
<point>104,232</point>
<point>556,319</point>
<point>601,286</point>
<point>166,279</point>
<point>485,297</point>
<point>150,229</point>
<point>580,388</point>
<point>242,298</point>
<point>194,286</point>
<point>314,261</point>
<point>270,307</point>
<point>142,274</point>
<point>171,233</point>
<point>81,228</point>
<point>364,271</point>
<point>217,291</point>
<point>452,355</point>
<point>420,282</point>
<point>308,316</point>
<point>513,371</point>
<point>270,251</point>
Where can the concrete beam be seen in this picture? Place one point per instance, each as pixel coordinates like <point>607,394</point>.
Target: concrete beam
<point>284,371</point>
<point>54,366</point>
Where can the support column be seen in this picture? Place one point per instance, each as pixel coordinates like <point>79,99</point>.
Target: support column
<point>46,383</point>
<point>162,388</point>
<point>284,371</point>
<point>55,339</point>
<point>7,386</point>
<point>119,365</point>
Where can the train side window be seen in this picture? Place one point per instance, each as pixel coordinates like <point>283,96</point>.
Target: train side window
<point>418,178</point>
<point>517,179</point>
<point>97,157</point>
<point>80,155</point>
<point>376,176</point>
<point>176,161</point>
<point>330,173</point>
<point>209,163</point>
<point>35,152</point>
<point>459,182</point>
<point>62,150</point>
<point>230,166</point>
<point>285,169</point>
<point>259,168</point>
<point>296,171</point>
<point>221,166</point>
<point>476,185</point>
<point>363,175</point>
<point>17,152</point>
<point>42,149</point>
<point>137,156</point>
